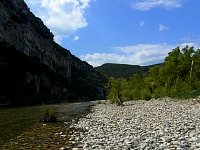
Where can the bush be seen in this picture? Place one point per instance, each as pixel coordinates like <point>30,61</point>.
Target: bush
<point>49,114</point>
<point>115,93</point>
<point>145,94</point>
<point>160,92</point>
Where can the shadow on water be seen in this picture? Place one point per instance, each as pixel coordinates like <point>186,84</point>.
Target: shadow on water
<point>14,121</point>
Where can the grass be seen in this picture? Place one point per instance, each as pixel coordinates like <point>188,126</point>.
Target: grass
<point>49,114</point>
<point>187,94</point>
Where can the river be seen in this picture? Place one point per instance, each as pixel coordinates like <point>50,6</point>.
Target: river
<point>20,127</point>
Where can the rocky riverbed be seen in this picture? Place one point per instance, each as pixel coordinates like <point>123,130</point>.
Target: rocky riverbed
<point>156,124</point>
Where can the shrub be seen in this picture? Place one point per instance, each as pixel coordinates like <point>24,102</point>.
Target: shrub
<point>49,114</point>
<point>145,94</point>
<point>115,93</point>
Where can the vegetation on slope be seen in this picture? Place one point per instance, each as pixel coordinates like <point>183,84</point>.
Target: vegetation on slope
<point>122,70</point>
<point>178,76</point>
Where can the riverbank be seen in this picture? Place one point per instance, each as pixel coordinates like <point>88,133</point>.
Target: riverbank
<point>155,124</point>
<point>21,129</point>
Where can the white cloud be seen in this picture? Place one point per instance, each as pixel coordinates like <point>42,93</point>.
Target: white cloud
<point>62,16</point>
<point>145,5</point>
<point>162,27</point>
<point>142,23</point>
<point>98,59</point>
<point>191,44</point>
<point>76,38</point>
<point>141,54</point>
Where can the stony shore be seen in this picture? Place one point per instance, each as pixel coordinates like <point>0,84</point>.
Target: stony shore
<point>156,124</point>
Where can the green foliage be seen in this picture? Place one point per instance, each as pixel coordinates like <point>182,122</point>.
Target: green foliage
<point>178,76</point>
<point>121,90</point>
<point>122,70</point>
<point>145,94</point>
<point>116,90</point>
<point>48,114</point>
<point>179,73</point>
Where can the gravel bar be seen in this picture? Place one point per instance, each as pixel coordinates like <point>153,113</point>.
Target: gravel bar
<point>140,125</point>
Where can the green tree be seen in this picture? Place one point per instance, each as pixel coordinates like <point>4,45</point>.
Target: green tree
<point>116,90</point>
<point>153,79</point>
<point>169,71</point>
<point>178,76</point>
<point>195,75</point>
<point>178,72</point>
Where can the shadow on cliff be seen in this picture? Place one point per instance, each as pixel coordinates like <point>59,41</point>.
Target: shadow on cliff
<point>24,80</point>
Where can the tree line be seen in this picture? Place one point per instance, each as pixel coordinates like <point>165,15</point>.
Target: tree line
<point>178,76</point>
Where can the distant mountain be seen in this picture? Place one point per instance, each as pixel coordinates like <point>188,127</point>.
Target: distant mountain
<point>122,70</point>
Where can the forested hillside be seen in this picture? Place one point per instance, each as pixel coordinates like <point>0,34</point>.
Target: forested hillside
<point>178,76</point>
<point>122,70</point>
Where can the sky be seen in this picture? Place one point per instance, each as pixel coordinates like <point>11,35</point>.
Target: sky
<point>136,32</point>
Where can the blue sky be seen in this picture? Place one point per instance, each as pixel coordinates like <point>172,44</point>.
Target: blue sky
<point>137,32</point>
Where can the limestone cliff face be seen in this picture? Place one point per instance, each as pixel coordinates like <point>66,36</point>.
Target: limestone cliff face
<point>33,66</point>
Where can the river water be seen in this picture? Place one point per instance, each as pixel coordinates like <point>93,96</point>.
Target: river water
<point>70,111</point>
<point>20,127</point>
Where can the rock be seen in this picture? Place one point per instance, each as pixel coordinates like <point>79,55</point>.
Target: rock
<point>44,71</point>
<point>77,149</point>
<point>72,138</point>
<point>63,135</point>
<point>141,126</point>
<point>168,139</point>
<point>194,139</point>
<point>162,147</point>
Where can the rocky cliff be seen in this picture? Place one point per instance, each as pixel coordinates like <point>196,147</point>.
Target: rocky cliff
<point>35,69</point>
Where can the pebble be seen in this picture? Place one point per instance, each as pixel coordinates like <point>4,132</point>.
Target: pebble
<point>155,124</point>
<point>63,135</point>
